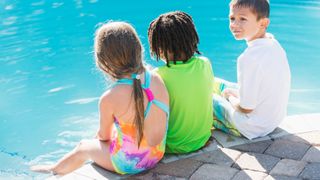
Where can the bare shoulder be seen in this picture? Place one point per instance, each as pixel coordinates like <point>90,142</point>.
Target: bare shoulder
<point>156,77</point>
<point>159,88</point>
<point>106,99</point>
<point>114,96</point>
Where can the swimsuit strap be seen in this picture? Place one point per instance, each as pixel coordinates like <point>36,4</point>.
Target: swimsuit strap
<point>147,90</point>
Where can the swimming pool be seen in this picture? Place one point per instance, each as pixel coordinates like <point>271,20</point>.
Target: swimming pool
<point>50,86</point>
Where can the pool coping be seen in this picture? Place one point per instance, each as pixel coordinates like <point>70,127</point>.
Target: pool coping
<point>291,125</point>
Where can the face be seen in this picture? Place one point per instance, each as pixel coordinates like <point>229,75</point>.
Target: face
<point>243,24</point>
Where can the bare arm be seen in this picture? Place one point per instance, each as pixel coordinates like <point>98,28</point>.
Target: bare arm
<point>232,96</point>
<point>236,104</point>
<point>106,118</point>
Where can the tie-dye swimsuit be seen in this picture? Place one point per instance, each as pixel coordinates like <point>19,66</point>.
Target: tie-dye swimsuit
<point>126,157</point>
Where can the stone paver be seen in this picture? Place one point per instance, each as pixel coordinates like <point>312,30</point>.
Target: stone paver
<point>256,162</point>
<point>278,177</point>
<point>258,147</point>
<point>181,168</point>
<point>226,140</point>
<point>312,138</point>
<point>211,147</point>
<point>169,158</point>
<point>311,171</point>
<point>299,124</point>
<point>248,175</point>
<point>288,167</point>
<point>188,155</point>
<point>223,156</point>
<point>151,175</point>
<point>277,133</point>
<point>312,155</point>
<point>70,176</point>
<point>212,171</point>
<point>93,170</point>
<point>287,149</point>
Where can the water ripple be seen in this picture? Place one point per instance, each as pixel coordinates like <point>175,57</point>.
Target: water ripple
<point>56,5</point>
<point>40,3</point>
<point>82,100</point>
<point>9,31</point>
<point>57,89</point>
<point>10,20</point>
<point>9,7</point>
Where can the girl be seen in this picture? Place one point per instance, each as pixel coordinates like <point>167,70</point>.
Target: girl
<point>133,113</point>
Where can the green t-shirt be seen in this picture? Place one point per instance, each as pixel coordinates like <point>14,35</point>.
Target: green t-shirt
<point>190,87</point>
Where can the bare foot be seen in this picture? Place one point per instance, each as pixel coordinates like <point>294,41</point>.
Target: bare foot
<point>42,169</point>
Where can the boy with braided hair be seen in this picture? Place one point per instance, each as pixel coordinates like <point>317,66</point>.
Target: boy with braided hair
<point>188,78</point>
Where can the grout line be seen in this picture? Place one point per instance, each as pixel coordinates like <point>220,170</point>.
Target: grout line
<point>196,169</point>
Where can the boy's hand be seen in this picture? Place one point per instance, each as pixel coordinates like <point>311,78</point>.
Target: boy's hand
<point>232,95</point>
<point>235,102</point>
<point>226,93</point>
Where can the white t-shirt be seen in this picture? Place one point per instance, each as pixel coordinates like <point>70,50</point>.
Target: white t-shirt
<point>264,84</point>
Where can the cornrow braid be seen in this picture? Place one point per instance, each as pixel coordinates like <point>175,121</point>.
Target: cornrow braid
<point>173,33</point>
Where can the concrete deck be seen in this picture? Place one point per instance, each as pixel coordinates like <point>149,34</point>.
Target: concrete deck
<point>292,151</point>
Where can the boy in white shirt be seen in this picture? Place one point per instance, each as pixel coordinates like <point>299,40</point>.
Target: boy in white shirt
<point>259,104</point>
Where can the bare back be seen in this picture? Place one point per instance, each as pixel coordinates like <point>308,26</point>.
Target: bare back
<point>124,108</point>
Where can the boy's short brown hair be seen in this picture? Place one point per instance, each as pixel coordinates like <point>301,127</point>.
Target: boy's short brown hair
<point>259,7</point>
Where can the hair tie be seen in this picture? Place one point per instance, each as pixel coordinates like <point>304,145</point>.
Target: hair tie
<point>135,76</point>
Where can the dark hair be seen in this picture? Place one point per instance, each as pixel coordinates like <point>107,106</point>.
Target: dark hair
<point>118,52</point>
<point>173,33</point>
<point>260,7</point>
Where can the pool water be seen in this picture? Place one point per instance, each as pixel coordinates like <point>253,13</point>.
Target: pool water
<point>50,86</point>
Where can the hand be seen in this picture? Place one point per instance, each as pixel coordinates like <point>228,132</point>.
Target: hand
<point>226,93</point>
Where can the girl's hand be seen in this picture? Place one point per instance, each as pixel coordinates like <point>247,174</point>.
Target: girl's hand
<point>99,137</point>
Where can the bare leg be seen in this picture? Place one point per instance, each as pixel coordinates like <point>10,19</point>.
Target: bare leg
<point>96,150</point>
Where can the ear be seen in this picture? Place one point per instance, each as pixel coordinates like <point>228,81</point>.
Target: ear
<point>265,23</point>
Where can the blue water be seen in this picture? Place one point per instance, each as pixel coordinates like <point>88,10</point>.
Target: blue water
<point>50,85</point>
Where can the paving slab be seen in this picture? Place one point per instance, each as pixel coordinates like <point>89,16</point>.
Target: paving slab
<point>312,155</point>
<point>301,123</point>
<point>278,177</point>
<point>257,147</point>
<point>312,138</point>
<point>188,155</point>
<point>278,132</point>
<point>249,175</point>
<point>181,168</point>
<point>96,172</point>
<point>167,158</point>
<point>311,171</point>
<point>211,147</point>
<point>226,140</point>
<point>287,149</point>
<point>256,162</point>
<point>223,156</point>
<point>288,167</point>
<point>71,176</point>
<point>212,171</point>
<point>152,175</point>
<point>89,171</point>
